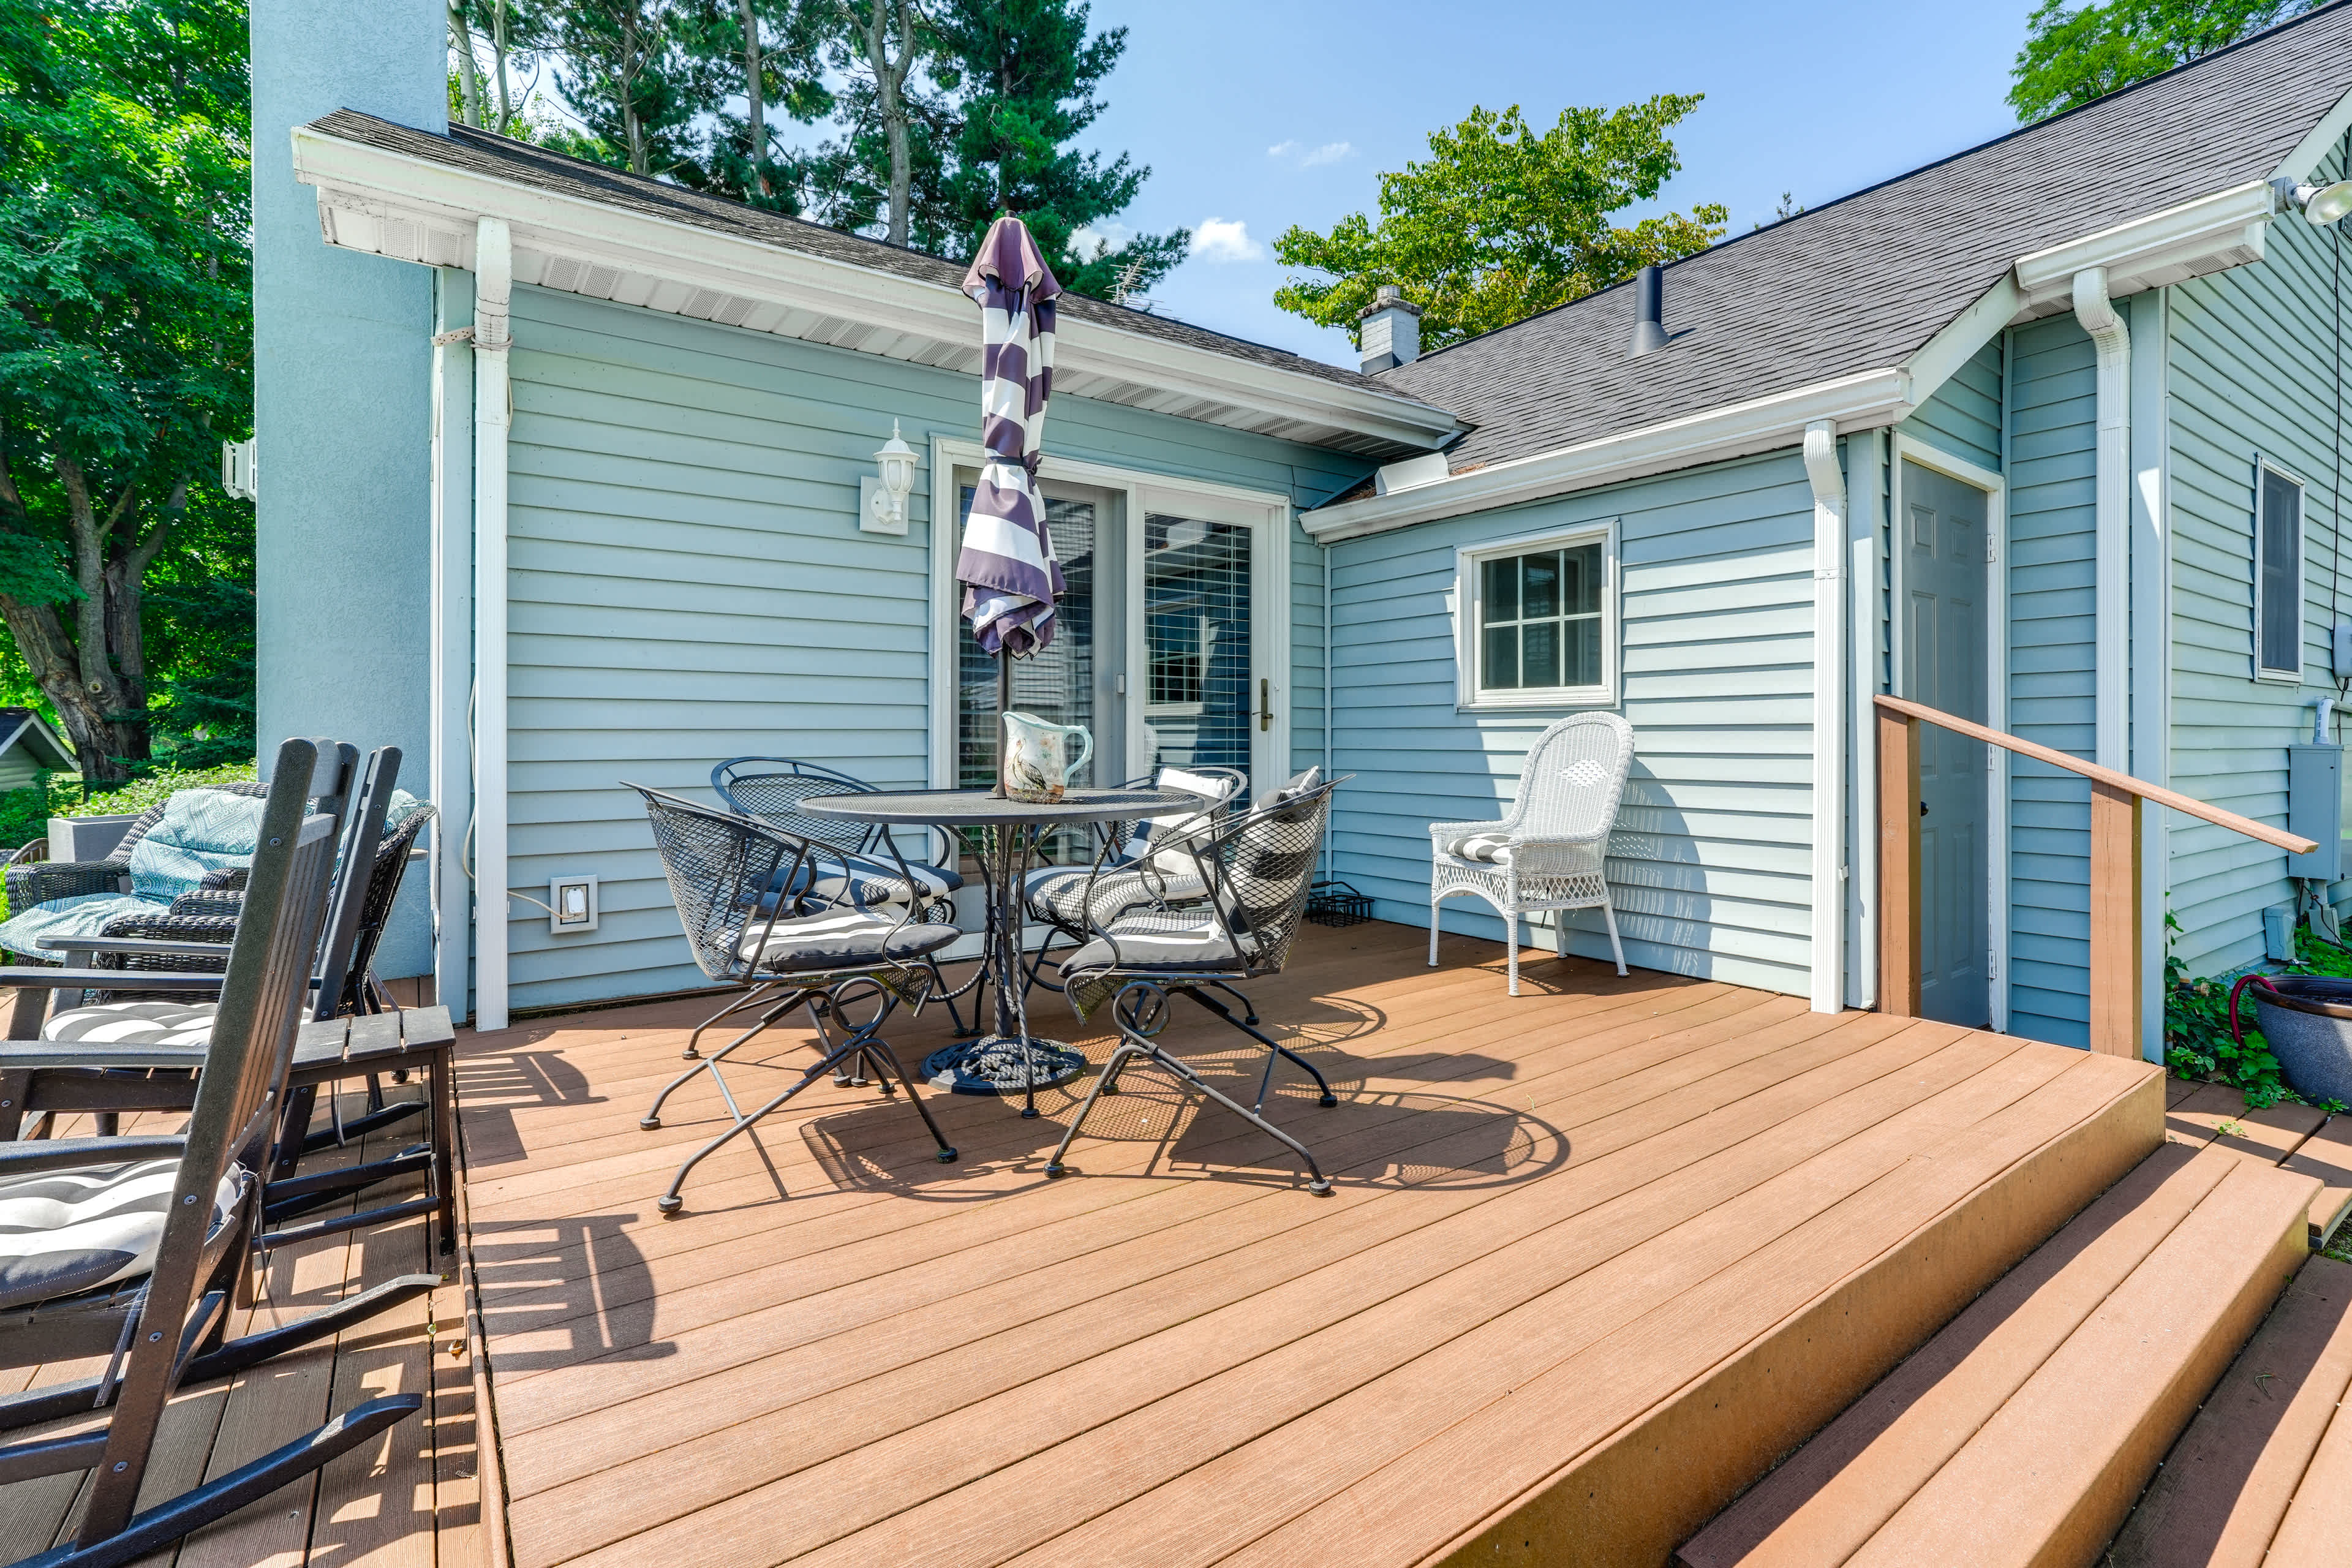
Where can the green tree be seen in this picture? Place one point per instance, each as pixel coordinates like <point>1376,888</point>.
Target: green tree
<point>631,74</point>
<point>1501,221</point>
<point>2075,54</point>
<point>125,342</point>
<point>1023,75</point>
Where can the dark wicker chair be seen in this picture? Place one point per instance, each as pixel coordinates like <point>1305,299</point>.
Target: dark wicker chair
<point>786,950</point>
<point>1256,867</point>
<point>191,1199</point>
<point>40,1082</point>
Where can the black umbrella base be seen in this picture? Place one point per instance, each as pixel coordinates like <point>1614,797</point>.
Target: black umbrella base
<point>999,1064</point>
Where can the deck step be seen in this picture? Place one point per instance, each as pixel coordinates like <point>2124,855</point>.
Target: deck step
<point>2228,1484</point>
<point>2023,1431</point>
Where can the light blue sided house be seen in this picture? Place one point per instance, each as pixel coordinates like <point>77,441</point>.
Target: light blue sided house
<point>2009,435</point>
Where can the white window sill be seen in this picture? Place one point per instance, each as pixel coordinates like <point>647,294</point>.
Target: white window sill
<point>2278,678</point>
<point>1520,701</point>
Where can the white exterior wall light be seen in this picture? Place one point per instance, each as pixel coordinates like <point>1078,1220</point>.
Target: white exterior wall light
<point>882,503</point>
<point>2321,204</point>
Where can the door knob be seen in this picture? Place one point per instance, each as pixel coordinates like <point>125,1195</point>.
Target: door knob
<point>1923,808</point>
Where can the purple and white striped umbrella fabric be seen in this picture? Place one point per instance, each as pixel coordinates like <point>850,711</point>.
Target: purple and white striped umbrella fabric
<point>1007,567</point>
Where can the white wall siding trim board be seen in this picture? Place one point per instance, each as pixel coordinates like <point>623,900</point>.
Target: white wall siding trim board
<point>1825,472</point>
<point>2111,341</point>
<point>450,764</point>
<point>493,419</point>
<point>2151,638</point>
<point>1866,551</point>
<point>2210,233</point>
<point>1712,860</point>
<point>389,204</point>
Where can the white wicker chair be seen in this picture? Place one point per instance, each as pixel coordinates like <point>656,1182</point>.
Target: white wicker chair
<point>1550,852</point>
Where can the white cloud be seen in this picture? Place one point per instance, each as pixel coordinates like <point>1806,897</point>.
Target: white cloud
<point>1306,157</point>
<point>1225,239</point>
<point>1086,237</point>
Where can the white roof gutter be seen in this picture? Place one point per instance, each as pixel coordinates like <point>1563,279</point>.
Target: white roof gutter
<point>2207,234</point>
<point>395,204</point>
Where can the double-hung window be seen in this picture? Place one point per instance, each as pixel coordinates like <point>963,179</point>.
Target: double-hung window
<point>2278,574</point>
<point>1538,620</point>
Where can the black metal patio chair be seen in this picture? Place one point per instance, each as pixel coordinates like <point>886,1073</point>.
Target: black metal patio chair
<point>1256,867</point>
<point>131,1249</point>
<point>1147,863</point>
<point>132,1053</point>
<point>732,876</point>
<point>850,864</point>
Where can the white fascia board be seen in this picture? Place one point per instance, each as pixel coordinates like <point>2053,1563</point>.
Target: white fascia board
<point>2207,235</point>
<point>1737,430</point>
<point>2304,161</point>
<point>1962,336</point>
<point>62,753</point>
<point>389,204</point>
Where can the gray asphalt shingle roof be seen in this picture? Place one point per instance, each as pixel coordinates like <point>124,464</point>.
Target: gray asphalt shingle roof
<point>1864,282</point>
<point>499,158</point>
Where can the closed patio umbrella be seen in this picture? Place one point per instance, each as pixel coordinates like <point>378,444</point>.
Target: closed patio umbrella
<point>1007,565</point>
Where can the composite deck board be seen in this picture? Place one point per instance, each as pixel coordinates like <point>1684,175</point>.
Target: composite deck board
<point>405,1501</point>
<point>1553,1214</point>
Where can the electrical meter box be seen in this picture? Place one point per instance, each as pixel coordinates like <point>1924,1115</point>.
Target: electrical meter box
<point>2315,809</point>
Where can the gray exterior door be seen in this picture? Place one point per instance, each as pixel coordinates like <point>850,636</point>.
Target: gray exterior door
<point>1940,535</point>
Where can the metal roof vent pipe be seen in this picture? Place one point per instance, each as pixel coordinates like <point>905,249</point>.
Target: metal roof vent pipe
<point>1649,311</point>
<point>1390,331</point>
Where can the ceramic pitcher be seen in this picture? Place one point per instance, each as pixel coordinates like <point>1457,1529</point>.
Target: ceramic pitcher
<point>1037,760</point>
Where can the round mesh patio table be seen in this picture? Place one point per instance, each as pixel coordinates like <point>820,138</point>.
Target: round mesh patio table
<point>1011,1060</point>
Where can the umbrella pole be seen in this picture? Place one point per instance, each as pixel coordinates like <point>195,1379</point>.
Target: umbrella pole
<point>1004,705</point>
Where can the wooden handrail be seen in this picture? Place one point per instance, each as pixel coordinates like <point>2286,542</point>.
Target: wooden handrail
<point>2116,868</point>
<point>2278,837</point>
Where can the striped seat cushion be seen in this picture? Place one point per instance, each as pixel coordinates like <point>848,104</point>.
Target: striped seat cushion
<point>839,939</point>
<point>862,882</point>
<point>1056,894</point>
<point>1479,847</point>
<point>1160,946</point>
<point>66,1231</point>
<point>186,1024</point>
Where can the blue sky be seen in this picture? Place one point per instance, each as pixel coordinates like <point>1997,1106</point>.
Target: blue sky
<point>1268,113</point>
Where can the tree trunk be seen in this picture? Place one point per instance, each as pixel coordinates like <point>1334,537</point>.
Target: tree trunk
<point>755,115</point>
<point>499,35</point>
<point>469,72</point>
<point>889,98</point>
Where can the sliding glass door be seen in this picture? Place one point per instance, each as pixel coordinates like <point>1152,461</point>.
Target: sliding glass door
<point>1163,649</point>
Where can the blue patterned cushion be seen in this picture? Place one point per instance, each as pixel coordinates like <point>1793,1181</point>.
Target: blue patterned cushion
<point>84,914</point>
<point>202,830</point>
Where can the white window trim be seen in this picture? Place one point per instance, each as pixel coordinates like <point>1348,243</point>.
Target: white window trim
<point>2263,673</point>
<point>1467,697</point>
<point>1141,493</point>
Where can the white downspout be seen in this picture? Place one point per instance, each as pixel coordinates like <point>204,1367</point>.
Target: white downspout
<point>1865,506</point>
<point>2112,637</point>
<point>493,292</point>
<point>1829,715</point>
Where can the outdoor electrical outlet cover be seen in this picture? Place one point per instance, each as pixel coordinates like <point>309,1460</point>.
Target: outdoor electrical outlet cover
<point>2343,649</point>
<point>572,905</point>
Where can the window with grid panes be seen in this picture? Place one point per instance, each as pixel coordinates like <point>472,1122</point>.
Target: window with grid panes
<point>1539,623</point>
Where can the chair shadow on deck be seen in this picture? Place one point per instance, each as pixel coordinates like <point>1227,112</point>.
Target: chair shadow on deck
<point>553,1292</point>
<point>494,1085</point>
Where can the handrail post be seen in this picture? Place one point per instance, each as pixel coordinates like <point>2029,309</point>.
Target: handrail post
<point>2115,921</point>
<point>1899,865</point>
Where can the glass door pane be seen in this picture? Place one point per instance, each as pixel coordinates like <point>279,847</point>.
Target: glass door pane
<point>1199,701</point>
<point>1057,684</point>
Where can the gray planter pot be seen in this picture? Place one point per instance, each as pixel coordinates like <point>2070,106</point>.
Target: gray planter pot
<point>2308,1022</point>
<point>87,837</point>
